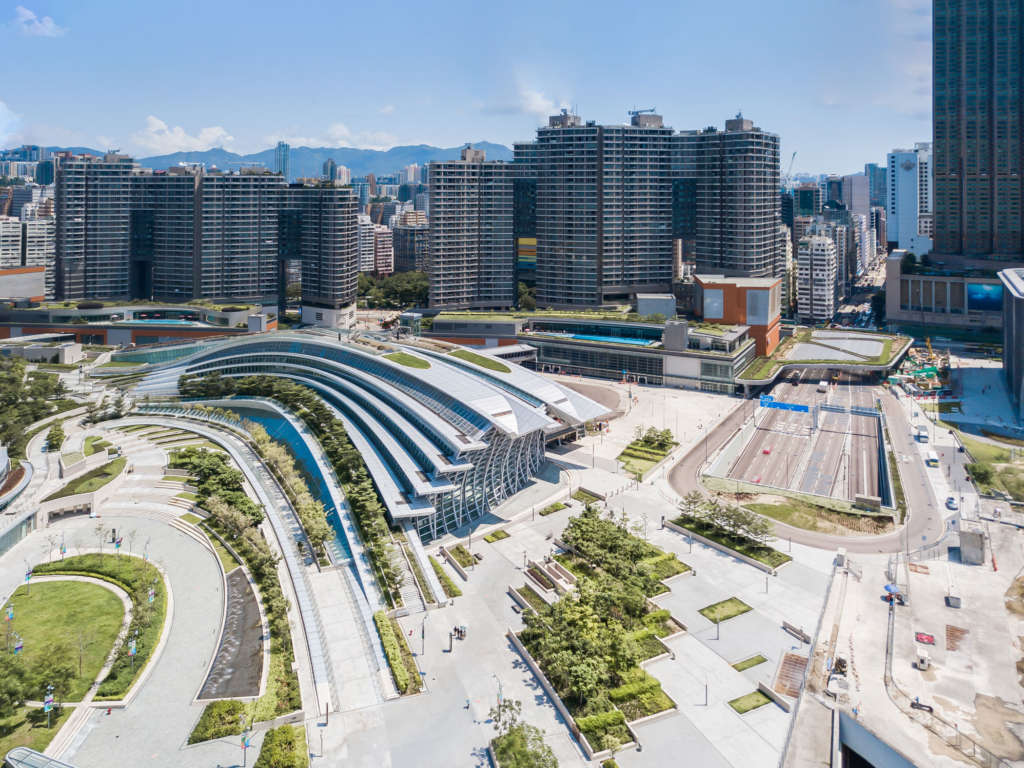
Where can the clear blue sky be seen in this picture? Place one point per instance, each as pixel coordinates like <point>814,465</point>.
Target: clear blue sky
<point>842,81</point>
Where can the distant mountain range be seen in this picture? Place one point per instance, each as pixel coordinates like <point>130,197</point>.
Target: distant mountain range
<point>308,161</point>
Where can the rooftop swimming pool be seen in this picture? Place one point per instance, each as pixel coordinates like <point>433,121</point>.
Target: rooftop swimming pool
<point>605,339</point>
<point>160,320</point>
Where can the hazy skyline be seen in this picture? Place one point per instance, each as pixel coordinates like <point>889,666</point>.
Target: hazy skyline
<point>842,82</point>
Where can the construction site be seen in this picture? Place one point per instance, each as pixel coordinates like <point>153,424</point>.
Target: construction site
<point>924,372</point>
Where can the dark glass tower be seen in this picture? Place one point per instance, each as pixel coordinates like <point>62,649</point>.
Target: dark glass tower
<point>977,123</point>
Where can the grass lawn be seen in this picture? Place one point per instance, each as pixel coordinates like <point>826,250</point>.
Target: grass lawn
<point>985,452</point>
<point>94,444</point>
<point>72,458</point>
<point>550,509</point>
<point>724,610</point>
<point>753,661</point>
<point>227,560</point>
<point>92,480</point>
<point>27,728</point>
<point>188,517</point>
<point>484,362</point>
<point>177,478</point>
<point>120,364</point>
<point>760,368</point>
<point>409,361</point>
<point>752,700</point>
<point>638,457</point>
<point>801,514</point>
<point>586,498</point>
<point>497,535</point>
<point>55,613</point>
<point>188,496</point>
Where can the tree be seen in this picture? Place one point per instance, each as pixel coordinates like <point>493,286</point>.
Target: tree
<point>54,667</point>
<point>12,684</point>
<point>518,745</point>
<point>506,715</point>
<point>527,297</point>
<point>693,505</point>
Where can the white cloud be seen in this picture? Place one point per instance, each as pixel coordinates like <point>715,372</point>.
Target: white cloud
<point>387,109</point>
<point>160,139</point>
<point>339,135</point>
<point>529,101</point>
<point>908,90</point>
<point>29,24</point>
<point>9,124</point>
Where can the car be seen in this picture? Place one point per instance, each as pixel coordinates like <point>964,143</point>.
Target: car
<point>951,503</point>
<point>766,451</point>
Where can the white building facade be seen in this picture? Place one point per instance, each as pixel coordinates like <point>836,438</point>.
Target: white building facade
<point>909,223</point>
<point>816,279</point>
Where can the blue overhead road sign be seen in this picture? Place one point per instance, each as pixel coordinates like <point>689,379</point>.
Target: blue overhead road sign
<point>767,401</point>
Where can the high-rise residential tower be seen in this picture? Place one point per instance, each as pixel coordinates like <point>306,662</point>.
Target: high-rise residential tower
<point>471,250</point>
<point>737,196</point>
<point>93,206</point>
<point>978,127</point>
<point>876,183</point>
<point>603,208</point>
<point>816,278</point>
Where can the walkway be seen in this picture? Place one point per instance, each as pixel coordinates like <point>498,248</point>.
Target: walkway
<point>277,508</point>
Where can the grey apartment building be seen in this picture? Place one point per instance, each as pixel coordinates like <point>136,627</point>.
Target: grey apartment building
<point>738,210</point>
<point>603,209</point>
<point>318,228</point>
<point>977,129</point>
<point>125,232</point>
<point>471,248</point>
<point>93,211</point>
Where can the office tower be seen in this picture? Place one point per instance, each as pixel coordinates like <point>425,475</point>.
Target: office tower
<point>909,207</point>
<point>786,207</point>
<point>857,194</point>
<point>372,181</point>
<point>365,243</point>
<point>361,188</point>
<point>317,229</point>
<point>330,169</point>
<point>876,175</point>
<point>604,208</point>
<point>282,162</point>
<point>833,188</point>
<point>807,200</point>
<point>383,251</point>
<point>93,204</point>
<point>45,172</point>
<point>878,223</point>
<point>471,244</point>
<point>977,125</point>
<point>738,207</point>
<point>816,279</point>
<point>411,243</point>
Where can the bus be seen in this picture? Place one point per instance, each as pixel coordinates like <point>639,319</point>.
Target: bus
<point>823,385</point>
<point>932,460</point>
<point>921,433</point>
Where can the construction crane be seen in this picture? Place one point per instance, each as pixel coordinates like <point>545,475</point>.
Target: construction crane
<point>648,111</point>
<point>789,169</point>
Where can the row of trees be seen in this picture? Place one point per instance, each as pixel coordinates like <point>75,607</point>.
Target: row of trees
<point>26,399</point>
<point>735,521</point>
<point>361,493</point>
<point>402,289</point>
<point>659,439</point>
<point>214,477</point>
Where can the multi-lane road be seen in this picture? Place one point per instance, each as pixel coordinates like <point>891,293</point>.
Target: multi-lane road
<point>924,524</point>
<point>838,459</point>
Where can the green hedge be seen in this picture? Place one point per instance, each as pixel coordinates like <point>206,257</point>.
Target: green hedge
<point>449,586</point>
<point>634,689</point>
<point>392,650</point>
<point>219,719</point>
<point>283,747</point>
<point>552,508</point>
